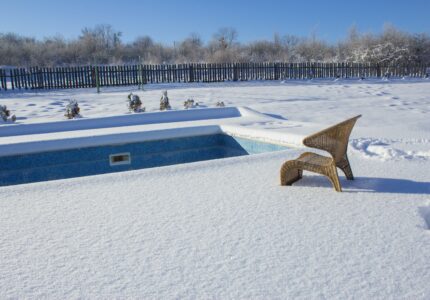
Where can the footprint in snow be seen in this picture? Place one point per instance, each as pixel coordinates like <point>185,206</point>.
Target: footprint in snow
<point>425,214</point>
<point>56,103</point>
<point>385,149</point>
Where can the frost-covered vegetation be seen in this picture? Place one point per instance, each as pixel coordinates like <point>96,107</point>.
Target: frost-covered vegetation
<point>103,45</point>
<point>72,109</point>
<point>134,103</point>
<point>5,114</point>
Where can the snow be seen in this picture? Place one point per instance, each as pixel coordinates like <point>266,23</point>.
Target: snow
<point>118,121</point>
<point>225,228</point>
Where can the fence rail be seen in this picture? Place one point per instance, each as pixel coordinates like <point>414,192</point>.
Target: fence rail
<point>102,76</point>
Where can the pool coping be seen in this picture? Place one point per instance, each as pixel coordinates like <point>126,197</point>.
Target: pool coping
<point>235,121</point>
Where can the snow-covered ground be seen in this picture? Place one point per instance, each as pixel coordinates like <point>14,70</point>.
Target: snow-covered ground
<point>225,228</point>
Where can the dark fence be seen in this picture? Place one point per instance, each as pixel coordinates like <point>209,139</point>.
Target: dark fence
<point>101,76</point>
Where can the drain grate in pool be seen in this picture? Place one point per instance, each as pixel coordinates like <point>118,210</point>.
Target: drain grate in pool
<point>120,159</point>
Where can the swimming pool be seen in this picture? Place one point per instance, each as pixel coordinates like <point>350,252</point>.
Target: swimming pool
<point>61,164</point>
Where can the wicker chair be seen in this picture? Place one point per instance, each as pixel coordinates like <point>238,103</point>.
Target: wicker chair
<point>333,140</point>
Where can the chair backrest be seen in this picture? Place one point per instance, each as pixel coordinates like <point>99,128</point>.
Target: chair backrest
<point>333,139</point>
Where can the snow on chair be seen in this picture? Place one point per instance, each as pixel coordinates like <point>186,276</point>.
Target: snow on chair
<point>333,140</point>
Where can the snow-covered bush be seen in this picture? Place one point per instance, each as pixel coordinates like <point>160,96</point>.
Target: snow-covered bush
<point>5,114</point>
<point>190,103</point>
<point>134,103</point>
<point>164,101</point>
<point>72,109</point>
<point>392,47</point>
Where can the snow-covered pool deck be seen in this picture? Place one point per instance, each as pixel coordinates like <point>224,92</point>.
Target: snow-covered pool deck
<point>79,133</point>
<point>225,228</point>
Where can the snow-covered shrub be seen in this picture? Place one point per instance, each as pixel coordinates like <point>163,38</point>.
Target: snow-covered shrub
<point>164,101</point>
<point>190,103</point>
<point>391,48</point>
<point>72,109</point>
<point>134,103</point>
<point>5,114</point>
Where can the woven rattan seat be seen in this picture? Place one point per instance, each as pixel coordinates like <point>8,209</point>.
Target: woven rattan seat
<point>333,140</point>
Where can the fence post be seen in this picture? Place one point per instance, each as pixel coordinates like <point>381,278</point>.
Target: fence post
<point>39,78</point>
<point>97,79</point>
<point>190,73</point>
<point>3,79</point>
<point>378,70</point>
<point>142,81</point>
<point>235,73</point>
<point>92,81</point>
<point>346,69</point>
<point>12,79</point>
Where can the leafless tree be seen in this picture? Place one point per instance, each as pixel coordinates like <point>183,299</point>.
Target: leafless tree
<point>102,44</point>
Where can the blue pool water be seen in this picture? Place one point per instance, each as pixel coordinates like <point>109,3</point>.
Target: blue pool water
<point>53,165</point>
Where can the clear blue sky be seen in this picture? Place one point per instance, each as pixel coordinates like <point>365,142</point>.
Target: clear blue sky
<point>167,21</point>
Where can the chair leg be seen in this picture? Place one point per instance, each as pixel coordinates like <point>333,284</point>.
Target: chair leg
<point>290,173</point>
<point>334,178</point>
<point>346,168</point>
